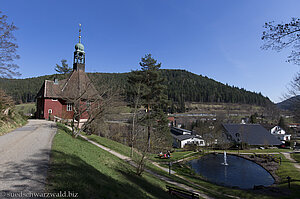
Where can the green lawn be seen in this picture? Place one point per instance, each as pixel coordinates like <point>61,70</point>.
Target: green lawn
<point>11,122</point>
<point>287,169</point>
<point>125,150</point>
<point>116,146</point>
<point>27,108</point>
<point>296,156</point>
<point>83,168</point>
<point>177,155</point>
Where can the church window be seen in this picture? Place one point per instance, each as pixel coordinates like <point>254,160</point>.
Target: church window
<point>69,107</point>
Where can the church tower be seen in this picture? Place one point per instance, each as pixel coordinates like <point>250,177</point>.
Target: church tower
<point>79,55</point>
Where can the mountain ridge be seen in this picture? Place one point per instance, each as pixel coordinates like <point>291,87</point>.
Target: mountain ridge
<point>288,103</point>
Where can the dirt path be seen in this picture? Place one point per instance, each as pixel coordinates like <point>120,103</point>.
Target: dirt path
<point>294,162</point>
<point>24,156</point>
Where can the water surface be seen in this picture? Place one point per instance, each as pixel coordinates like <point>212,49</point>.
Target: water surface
<point>238,173</point>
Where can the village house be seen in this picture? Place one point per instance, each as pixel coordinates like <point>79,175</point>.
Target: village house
<point>56,98</point>
<point>182,137</point>
<point>251,134</point>
<point>278,132</point>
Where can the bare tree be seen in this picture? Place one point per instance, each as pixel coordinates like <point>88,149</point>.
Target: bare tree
<point>293,96</point>
<point>5,102</point>
<point>283,35</point>
<point>286,36</point>
<point>90,103</point>
<point>95,106</point>
<point>107,99</point>
<point>8,48</point>
<point>136,105</point>
<point>141,154</point>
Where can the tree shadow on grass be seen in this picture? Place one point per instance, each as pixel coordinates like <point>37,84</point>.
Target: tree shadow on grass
<point>293,192</point>
<point>153,190</point>
<point>71,173</point>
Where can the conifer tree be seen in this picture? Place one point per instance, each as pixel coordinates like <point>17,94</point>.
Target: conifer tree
<point>64,68</point>
<point>151,91</point>
<point>282,123</point>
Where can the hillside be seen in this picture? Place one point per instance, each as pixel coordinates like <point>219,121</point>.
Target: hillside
<point>80,167</point>
<point>182,86</point>
<point>10,118</point>
<point>11,121</point>
<point>288,103</point>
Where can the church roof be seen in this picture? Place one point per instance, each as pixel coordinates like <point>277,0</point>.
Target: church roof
<point>78,85</point>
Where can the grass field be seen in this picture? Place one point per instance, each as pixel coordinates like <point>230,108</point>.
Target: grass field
<point>177,155</point>
<point>287,169</point>
<point>296,156</point>
<point>26,109</point>
<point>83,168</point>
<point>116,146</point>
<point>11,122</point>
<point>125,150</point>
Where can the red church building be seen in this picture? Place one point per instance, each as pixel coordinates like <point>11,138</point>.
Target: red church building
<point>57,98</point>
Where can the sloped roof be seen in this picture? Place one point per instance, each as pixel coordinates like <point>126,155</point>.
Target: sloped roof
<point>253,134</point>
<point>77,85</point>
<point>179,131</point>
<point>184,137</point>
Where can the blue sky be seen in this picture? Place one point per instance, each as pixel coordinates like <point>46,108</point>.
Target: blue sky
<point>215,38</point>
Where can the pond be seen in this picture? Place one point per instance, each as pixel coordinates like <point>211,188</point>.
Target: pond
<point>239,172</point>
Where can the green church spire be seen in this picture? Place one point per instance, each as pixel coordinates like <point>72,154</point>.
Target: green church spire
<point>79,54</point>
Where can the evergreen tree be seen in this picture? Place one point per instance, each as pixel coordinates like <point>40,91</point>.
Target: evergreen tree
<point>253,119</point>
<point>282,123</point>
<point>64,68</point>
<point>151,93</point>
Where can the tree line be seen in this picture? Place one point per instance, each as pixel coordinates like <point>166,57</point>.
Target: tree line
<point>181,86</point>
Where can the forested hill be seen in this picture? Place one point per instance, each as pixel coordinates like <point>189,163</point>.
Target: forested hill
<point>182,86</point>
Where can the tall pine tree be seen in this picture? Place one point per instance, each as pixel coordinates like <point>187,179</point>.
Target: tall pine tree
<point>151,91</point>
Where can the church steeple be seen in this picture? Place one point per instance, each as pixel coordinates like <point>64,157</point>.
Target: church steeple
<point>79,55</point>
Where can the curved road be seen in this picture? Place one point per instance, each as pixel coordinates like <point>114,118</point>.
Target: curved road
<point>24,157</point>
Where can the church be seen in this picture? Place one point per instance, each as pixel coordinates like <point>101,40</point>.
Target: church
<point>60,99</point>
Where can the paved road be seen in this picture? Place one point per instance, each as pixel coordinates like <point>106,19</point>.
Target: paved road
<point>24,157</point>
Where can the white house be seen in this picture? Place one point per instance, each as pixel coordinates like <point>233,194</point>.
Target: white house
<point>278,132</point>
<point>181,137</point>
